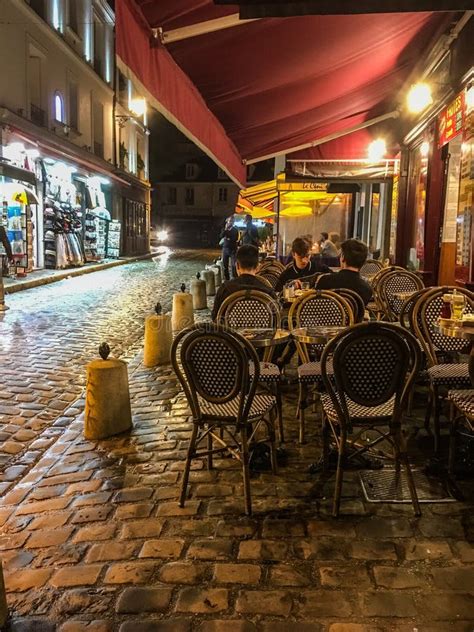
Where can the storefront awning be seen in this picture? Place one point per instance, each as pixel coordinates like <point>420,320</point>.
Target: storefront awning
<point>271,85</point>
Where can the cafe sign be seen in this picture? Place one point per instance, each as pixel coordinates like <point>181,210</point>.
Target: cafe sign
<point>302,186</point>
<point>451,120</point>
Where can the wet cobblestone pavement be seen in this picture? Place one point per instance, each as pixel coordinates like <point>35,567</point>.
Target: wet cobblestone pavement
<point>92,538</point>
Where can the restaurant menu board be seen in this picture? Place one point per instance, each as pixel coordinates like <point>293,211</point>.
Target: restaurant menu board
<point>113,239</point>
<point>466,204</point>
<point>451,120</point>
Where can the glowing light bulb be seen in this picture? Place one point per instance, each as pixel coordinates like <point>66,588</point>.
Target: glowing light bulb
<point>419,97</point>
<point>425,149</point>
<point>377,150</point>
<point>137,107</point>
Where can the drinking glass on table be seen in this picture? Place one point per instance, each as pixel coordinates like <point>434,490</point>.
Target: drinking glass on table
<point>305,286</point>
<point>457,306</point>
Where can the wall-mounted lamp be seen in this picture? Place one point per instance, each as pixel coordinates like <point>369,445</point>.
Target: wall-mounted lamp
<point>137,107</point>
<point>377,150</point>
<point>419,97</point>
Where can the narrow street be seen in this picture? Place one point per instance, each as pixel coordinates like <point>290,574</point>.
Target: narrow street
<point>51,332</point>
<point>91,535</point>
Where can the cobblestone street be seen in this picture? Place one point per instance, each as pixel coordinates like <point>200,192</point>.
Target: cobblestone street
<point>91,535</point>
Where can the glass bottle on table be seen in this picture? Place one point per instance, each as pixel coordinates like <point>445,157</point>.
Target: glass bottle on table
<point>446,306</point>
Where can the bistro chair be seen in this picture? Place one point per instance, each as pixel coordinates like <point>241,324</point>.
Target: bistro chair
<point>376,306</point>
<point>315,308</point>
<point>264,281</point>
<point>272,264</point>
<point>212,364</point>
<point>355,301</point>
<point>370,268</point>
<point>393,283</point>
<point>462,411</point>
<point>251,309</point>
<point>271,276</point>
<point>368,372</point>
<point>438,347</point>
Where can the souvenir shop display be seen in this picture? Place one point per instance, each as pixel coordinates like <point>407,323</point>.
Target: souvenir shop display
<point>14,219</point>
<point>97,219</point>
<point>113,239</point>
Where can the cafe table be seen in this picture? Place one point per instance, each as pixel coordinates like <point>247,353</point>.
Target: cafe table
<point>316,335</point>
<point>456,330</point>
<point>404,296</point>
<point>265,338</point>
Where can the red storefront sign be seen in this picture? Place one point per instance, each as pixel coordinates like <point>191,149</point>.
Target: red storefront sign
<point>451,120</point>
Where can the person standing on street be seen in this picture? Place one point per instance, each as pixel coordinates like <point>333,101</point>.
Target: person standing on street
<point>250,234</point>
<point>229,239</point>
<point>8,249</point>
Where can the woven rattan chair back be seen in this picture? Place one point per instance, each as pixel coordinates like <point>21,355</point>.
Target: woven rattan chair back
<point>370,268</point>
<point>270,276</point>
<point>318,308</point>
<point>405,317</point>
<point>372,363</point>
<point>425,315</point>
<point>271,264</point>
<point>250,309</point>
<point>212,364</point>
<point>392,283</point>
<point>355,301</point>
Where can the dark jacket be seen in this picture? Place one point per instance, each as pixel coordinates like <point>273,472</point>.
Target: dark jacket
<point>6,244</point>
<point>345,279</point>
<point>291,272</point>
<point>242,282</point>
<point>250,236</point>
<point>231,239</point>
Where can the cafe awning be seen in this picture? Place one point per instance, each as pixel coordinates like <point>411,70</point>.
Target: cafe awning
<point>270,85</point>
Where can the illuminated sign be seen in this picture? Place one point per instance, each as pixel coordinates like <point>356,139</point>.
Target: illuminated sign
<point>451,120</point>
<point>302,186</point>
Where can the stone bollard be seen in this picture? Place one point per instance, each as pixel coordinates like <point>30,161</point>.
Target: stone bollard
<point>108,411</point>
<point>218,274</point>
<point>3,600</point>
<point>3,307</point>
<point>198,292</point>
<point>210,279</point>
<point>158,339</point>
<point>182,315</point>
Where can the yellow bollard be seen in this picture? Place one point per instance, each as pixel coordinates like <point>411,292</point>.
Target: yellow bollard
<point>3,600</point>
<point>210,279</point>
<point>218,274</point>
<point>108,410</point>
<point>182,314</point>
<point>158,338</point>
<point>198,292</point>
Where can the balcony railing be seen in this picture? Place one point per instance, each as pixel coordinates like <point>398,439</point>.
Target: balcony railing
<point>98,149</point>
<point>37,115</point>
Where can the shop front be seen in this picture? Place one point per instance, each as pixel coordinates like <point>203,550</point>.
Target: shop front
<point>57,209</point>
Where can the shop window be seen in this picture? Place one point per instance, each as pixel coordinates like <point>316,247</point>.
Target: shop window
<point>222,194</point>
<point>35,72</point>
<point>191,171</point>
<point>189,196</point>
<point>419,180</point>
<point>59,108</point>
<point>73,99</point>
<point>172,195</point>
<point>122,89</point>
<point>99,44</point>
<point>38,7</point>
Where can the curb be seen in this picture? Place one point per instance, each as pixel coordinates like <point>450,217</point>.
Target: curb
<point>27,285</point>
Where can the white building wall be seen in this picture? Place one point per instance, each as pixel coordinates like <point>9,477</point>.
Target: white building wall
<point>63,59</point>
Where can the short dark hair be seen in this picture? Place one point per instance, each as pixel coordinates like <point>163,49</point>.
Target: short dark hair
<point>300,246</point>
<point>325,235</point>
<point>354,252</point>
<point>247,257</point>
<point>248,217</point>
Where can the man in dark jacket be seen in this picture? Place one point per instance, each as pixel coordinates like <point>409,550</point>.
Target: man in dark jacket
<point>353,256</point>
<point>250,234</point>
<point>230,239</point>
<point>303,265</point>
<point>247,264</point>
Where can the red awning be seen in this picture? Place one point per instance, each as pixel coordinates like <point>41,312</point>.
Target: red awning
<point>274,84</point>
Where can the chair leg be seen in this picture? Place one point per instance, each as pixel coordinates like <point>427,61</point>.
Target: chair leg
<point>325,433</point>
<point>401,456</point>
<point>410,401</point>
<point>246,470</point>
<point>429,408</point>
<point>280,413</point>
<point>302,403</point>
<point>436,416</point>
<point>339,474</point>
<point>187,466</point>
<point>209,448</point>
<point>453,428</point>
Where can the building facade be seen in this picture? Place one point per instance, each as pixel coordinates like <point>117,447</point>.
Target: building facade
<point>64,193</point>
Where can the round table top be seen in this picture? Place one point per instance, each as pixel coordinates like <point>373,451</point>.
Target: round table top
<point>292,299</point>
<point>316,335</point>
<point>456,331</point>
<point>260,337</point>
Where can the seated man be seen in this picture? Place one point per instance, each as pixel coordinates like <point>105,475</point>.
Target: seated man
<point>302,266</point>
<point>353,256</point>
<point>246,265</point>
